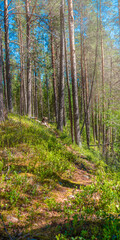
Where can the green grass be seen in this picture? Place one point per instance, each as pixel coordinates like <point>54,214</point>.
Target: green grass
<point>34,164</point>
<point>47,154</point>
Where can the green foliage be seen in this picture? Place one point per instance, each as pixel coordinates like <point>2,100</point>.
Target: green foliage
<point>34,162</point>
<point>13,196</point>
<point>1,166</point>
<point>99,201</point>
<point>52,204</point>
<point>100,198</point>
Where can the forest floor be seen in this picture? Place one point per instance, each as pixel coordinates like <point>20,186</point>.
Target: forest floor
<point>41,178</point>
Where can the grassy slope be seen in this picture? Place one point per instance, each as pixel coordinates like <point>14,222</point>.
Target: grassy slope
<point>46,180</point>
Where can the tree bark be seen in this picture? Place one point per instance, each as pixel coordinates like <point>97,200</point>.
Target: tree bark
<point>96,116</point>
<point>41,97</point>
<point>48,102</point>
<point>28,60</point>
<point>103,84</point>
<point>1,87</point>
<point>8,77</point>
<point>93,118</point>
<point>69,93</point>
<point>74,74</point>
<point>36,98</point>
<point>4,80</point>
<point>87,98</point>
<point>54,74</point>
<point>22,100</point>
<point>61,84</point>
<point>81,48</point>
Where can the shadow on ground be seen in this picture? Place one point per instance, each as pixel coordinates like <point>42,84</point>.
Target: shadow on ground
<point>108,228</point>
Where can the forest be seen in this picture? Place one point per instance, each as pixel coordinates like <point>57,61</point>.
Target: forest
<point>59,119</point>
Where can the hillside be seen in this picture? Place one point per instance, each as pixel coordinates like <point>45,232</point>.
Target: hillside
<point>52,189</point>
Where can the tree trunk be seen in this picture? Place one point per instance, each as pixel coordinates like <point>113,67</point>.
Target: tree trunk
<point>103,84</point>
<point>25,90</point>
<point>54,74</point>
<point>61,84</point>
<point>87,98</point>
<point>28,60</point>
<point>74,73</point>
<point>96,117</point>
<point>69,93</point>
<point>82,77</point>
<point>4,80</point>
<point>36,98</point>
<point>96,109</point>
<point>1,87</point>
<point>93,119</point>
<point>22,100</point>
<point>111,102</point>
<point>41,97</point>
<point>99,120</point>
<point>33,95</point>
<point>8,77</point>
<point>48,102</point>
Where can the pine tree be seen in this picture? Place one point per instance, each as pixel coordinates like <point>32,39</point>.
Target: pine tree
<point>74,74</point>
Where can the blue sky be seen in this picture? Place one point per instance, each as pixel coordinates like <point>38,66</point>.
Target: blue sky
<point>109,17</point>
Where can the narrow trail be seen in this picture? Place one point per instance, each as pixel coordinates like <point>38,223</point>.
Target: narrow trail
<point>64,191</point>
<point>67,188</point>
<point>82,176</point>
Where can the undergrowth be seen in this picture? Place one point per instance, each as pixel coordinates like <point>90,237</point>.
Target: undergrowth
<point>33,163</point>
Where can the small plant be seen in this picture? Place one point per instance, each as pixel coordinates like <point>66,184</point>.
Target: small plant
<point>52,204</point>
<point>13,196</point>
<point>1,166</point>
<point>61,237</point>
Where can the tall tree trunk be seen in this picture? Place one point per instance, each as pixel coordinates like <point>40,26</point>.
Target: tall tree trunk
<point>74,74</point>
<point>69,93</point>
<point>4,80</point>
<point>96,108</point>
<point>108,130</point>
<point>25,90</point>
<point>33,95</point>
<point>22,100</point>
<point>36,98</point>
<point>64,116</point>
<point>82,78</point>
<point>1,87</point>
<point>41,97</point>
<point>96,117</point>
<point>111,102</point>
<point>103,84</point>
<point>93,118</point>
<point>28,60</point>
<point>54,74</point>
<point>87,98</point>
<point>8,77</point>
<point>86,108</point>
<point>48,102</point>
<point>99,120</point>
<point>81,48</point>
<point>61,84</point>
